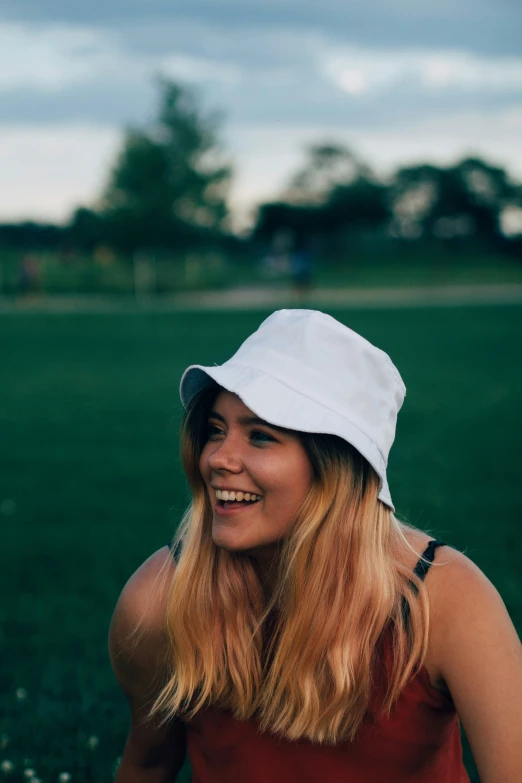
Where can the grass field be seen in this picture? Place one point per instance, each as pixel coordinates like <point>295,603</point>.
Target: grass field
<point>90,485</point>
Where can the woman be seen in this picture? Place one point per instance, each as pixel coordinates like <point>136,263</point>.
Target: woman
<point>290,633</point>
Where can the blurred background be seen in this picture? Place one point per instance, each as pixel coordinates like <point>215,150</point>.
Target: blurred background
<point>168,177</point>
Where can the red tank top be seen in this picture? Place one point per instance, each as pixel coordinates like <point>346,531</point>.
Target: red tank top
<point>418,743</point>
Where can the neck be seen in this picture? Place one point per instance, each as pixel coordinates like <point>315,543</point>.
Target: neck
<point>266,559</point>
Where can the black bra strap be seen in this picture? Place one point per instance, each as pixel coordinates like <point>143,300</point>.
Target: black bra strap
<point>421,569</point>
<point>175,550</point>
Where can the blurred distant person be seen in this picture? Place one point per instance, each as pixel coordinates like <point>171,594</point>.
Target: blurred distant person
<point>301,266</point>
<point>296,630</point>
<point>29,275</point>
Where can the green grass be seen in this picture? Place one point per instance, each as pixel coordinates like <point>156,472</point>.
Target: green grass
<point>88,453</point>
<point>453,271</point>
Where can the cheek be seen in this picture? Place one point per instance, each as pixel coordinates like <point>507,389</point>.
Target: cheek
<point>290,482</point>
<point>303,477</point>
<point>302,473</point>
<point>300,489</point>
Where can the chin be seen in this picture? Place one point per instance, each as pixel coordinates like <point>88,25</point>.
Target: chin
<point>234,543</point>
<point>230,543</point>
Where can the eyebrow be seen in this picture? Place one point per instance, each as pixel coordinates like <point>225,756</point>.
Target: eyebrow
<point>248,421</point>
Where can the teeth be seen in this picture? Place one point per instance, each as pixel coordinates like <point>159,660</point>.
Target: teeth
<point>223,494</point>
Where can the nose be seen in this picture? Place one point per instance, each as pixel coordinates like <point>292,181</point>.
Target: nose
<point>225,457</point>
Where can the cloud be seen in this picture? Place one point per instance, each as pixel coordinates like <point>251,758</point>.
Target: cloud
<point>194,69</point>
<point>359,71</point>
<point>55,58</point>
<point>47,171</point>
<point>476,25</point>
<point>71,73</point>
<point>59,57</point>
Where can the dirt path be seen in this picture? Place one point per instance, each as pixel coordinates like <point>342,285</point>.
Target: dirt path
<point>265,297</point>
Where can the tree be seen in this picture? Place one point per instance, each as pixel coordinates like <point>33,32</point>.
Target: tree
<point>332,199</point>
<point>30,235</point>
<point>86,229</point>
<point>456,203</point>
<point>361,205</point>
<point>328,166</point>
<point>169,184</point>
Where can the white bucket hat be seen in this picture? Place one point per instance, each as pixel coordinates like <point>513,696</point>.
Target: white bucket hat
<point>305,371</point>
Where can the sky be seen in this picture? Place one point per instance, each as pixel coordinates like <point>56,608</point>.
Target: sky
<point>396,81</point>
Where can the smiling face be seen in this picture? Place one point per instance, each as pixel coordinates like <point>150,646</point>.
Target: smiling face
<point>247,455</point>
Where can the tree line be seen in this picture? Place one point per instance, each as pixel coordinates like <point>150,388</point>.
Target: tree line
<point>167,190</point>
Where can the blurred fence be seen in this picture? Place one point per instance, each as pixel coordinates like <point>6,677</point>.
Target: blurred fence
<point>147,275</point>
<point>142,275</point>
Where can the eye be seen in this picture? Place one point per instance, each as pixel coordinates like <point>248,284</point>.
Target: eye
<point>261,437</point>
<point>213,431</point>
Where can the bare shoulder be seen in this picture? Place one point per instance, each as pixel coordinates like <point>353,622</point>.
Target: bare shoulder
<point>451,578</point>
<point>444,580</point>
<point>455,584</point>
<point>137,635</point>
<point>467,613</point>
<point>477,652</point>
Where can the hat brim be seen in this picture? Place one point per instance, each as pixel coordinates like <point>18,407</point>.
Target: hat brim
<point>277,404</point>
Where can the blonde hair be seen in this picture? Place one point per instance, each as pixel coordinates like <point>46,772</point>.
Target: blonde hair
<point>300,661</point>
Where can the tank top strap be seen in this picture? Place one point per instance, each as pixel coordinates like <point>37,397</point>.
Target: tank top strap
<point>421,569</point>
<point>175,551</point>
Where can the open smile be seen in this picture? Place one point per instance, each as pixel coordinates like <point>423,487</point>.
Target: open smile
<point>228,507</point>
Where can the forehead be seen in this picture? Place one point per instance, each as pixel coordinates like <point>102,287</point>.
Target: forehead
<point>229,407</point>
<point>229,403</point>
